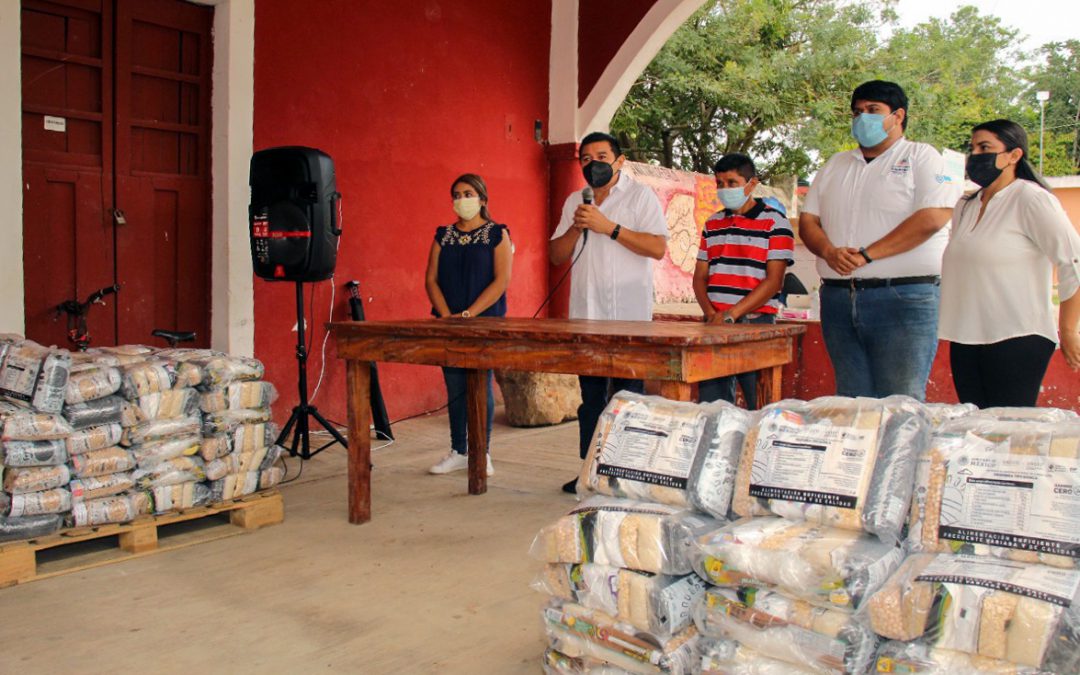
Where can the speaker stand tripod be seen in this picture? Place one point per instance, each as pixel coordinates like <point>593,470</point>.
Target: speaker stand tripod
<point>300,420</point>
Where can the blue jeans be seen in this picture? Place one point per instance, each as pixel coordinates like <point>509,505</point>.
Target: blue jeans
<point>723,388</point>
<point>455,394</point>
<point>595,394</point>
<point>881,341</point>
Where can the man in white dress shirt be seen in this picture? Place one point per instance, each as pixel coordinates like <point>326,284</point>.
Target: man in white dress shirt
<point>613,242</point>
<point>875,217</point>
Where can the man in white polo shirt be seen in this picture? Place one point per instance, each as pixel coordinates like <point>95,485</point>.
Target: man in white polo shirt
<point>875,217</point>
<point>613,241</point>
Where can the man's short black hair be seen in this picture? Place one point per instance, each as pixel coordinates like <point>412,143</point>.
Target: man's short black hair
<point>888,93</point>
<point>736,161</point>
<point>600,136</point>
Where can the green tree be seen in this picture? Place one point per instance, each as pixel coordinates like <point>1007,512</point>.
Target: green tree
<point>770,78</point>
<point>1059,73</point>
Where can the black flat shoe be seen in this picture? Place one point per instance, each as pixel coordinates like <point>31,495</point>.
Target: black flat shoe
<point>571,487</point>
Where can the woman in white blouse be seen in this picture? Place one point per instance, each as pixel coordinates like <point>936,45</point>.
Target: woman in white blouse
<point>996,278</point>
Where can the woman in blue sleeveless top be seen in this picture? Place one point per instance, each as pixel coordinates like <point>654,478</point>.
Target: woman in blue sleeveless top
<point>468,272</point>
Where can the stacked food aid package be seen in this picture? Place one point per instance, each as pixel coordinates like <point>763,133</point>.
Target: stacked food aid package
<point>839,535</point>
<point>111,434</point>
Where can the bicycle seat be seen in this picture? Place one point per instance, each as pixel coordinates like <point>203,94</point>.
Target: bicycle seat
<point>174,337</point>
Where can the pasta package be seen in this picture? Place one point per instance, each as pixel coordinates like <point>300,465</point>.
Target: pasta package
<point>248,437</point>
<point>829,567</point>
<point>95,413</point>
<point>170,404</point>
<point>89,383</point>
<point>35,375</point>
<point>1020,612</point>
<point>234,486</point>
<point>841,462</point>
<point>238,395</point>
<point>174,471</point>
<point>623,533</point>
<point>180,496</point>
<point>29,527</point>
<point>658,603</point>
<point>95,487</point>
<point>270,476</point>
<point>712,478</point>
<point>230,420</point>
<point>237,462</point>
<point>146,377</point>
<point>727,657</point>
<point>578,632</point>
<point>35,478</point>
<point>645,447</point>
<point>154,452</point>
<point>93,438</point>
<point>35,453</point>
<point>1000,488</point>
<point>116,509</point>
<point>556,663</point>
<point>215,446</point>
<point>162,429</point>
<point>923,659</point>
<point>29,425</point>
<point>102,462</point>
<point>822,640</point>
<point>56,500</point>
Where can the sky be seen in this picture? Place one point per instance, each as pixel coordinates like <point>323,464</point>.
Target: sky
<point>1041,20</point>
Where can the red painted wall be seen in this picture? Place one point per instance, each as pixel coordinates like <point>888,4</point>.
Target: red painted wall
<point>603,26</point>
<point>405,96</point>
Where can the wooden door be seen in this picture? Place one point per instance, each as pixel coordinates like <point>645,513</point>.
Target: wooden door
<point>129,83</point>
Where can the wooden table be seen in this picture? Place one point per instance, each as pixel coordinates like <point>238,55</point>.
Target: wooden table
<point>674,355</point>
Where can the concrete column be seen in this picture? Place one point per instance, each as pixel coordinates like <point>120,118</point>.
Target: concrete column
<point>565,179</point>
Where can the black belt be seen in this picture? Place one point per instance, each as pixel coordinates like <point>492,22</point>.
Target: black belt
<point>860,284</point>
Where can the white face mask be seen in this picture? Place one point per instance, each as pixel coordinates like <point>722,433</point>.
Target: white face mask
<point>467,207</point>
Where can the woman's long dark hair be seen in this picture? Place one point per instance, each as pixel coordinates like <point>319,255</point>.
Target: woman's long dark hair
<point>477,184</point>
<point>1013,136</point>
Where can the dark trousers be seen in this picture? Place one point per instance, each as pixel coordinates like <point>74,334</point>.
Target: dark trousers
<point>595,394</point>
<point>723,388</point>
<point>458,408</point>
<point>1006,373</point>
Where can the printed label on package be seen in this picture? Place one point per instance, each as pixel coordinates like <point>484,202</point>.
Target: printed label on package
<point>1022,501</point>
<point>790,456</point>
<point>1055,585</point>
<point>647,446</point>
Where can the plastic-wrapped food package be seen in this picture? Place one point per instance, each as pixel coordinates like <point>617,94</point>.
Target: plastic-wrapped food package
<point>624,533</point>
<point>270,476</point>
<point>139,352</point>
<point>170,404</point>
<point>29,527</point>
<point>273,454</point>
<point>1018,414</point>
<point>35,478</point>
<point>215,446</point>
<point>234,486</point>
<point>148,377</point>
<point>131,414</point>
<point>115,509</point>
<point>56,500</point>
<point>237,462</point>
<point>644,447</point>
<point>95,487</point>
<point>181,496</point>
<point>91,382</point>
<point>1025,613</point>
<point>224,369</point>
<point>727,657</point>
<point>28,425</point>
<point>93,358</point>
<point>253,436</point>
<point>228,421</point>
<point>557,663</point>
<point>171,472</point>
<point>826,566</point>
<point>238,395</point>
<point>35,453</point>
<point>35,375</point>
<point>943,412</point>
<point>102,462</point>
<point>108,410</point>
<point>826,640</point>
<point>156,430</point>
<point>1000,488</point>
<point>917,657</point>
<point>658,603</point>
<point>578,632</point>
<point>858,455</point>
<point>93,438</point>
<point>153,452</point>
<point>712,478</point>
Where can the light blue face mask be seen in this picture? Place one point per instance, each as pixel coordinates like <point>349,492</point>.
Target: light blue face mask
<point>732,198</point>
<point>869,129</point>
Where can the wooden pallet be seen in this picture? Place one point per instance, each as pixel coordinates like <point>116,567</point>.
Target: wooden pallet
<point>81,548</point>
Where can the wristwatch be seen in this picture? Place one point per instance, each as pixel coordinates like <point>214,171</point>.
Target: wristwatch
<point>615,232</point>
<point>465,314</point>
<point>865,255</point>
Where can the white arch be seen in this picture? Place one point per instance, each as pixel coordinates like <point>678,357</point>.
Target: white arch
<point>654,29</point>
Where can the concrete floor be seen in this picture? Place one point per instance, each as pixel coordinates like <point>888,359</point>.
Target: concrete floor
<point>437,582</point>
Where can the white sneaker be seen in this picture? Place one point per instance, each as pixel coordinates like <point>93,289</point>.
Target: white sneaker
<point>454,461</point>
<point>490,468</point>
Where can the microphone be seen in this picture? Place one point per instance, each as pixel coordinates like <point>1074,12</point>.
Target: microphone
<point>586,198</point>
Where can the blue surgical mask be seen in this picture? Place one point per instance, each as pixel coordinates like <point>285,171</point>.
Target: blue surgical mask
<point>732,198</point>
<point>869,129</point>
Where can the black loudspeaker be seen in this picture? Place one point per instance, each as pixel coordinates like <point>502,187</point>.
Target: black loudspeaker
<point>293,214</point>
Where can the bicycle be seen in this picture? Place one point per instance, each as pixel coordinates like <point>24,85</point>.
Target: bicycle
<point>79,335</point>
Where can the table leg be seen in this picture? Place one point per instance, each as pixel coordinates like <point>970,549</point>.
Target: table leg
<point>770,382</point>
<point>358,374</point>
<point>676,391</point>
<point>476,406</point>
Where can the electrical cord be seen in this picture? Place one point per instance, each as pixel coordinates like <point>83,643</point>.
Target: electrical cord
<point>559,283</point>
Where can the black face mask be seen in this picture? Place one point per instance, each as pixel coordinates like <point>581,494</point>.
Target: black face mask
<point>597,174</point>
<point>981,169</point>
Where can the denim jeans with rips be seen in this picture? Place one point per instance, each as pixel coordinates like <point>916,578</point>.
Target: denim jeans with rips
<point>881,341</point>
<point>723,388</point>
<point>455,394</point>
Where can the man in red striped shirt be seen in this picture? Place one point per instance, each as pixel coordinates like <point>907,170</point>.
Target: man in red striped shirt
<point>744,252</point>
